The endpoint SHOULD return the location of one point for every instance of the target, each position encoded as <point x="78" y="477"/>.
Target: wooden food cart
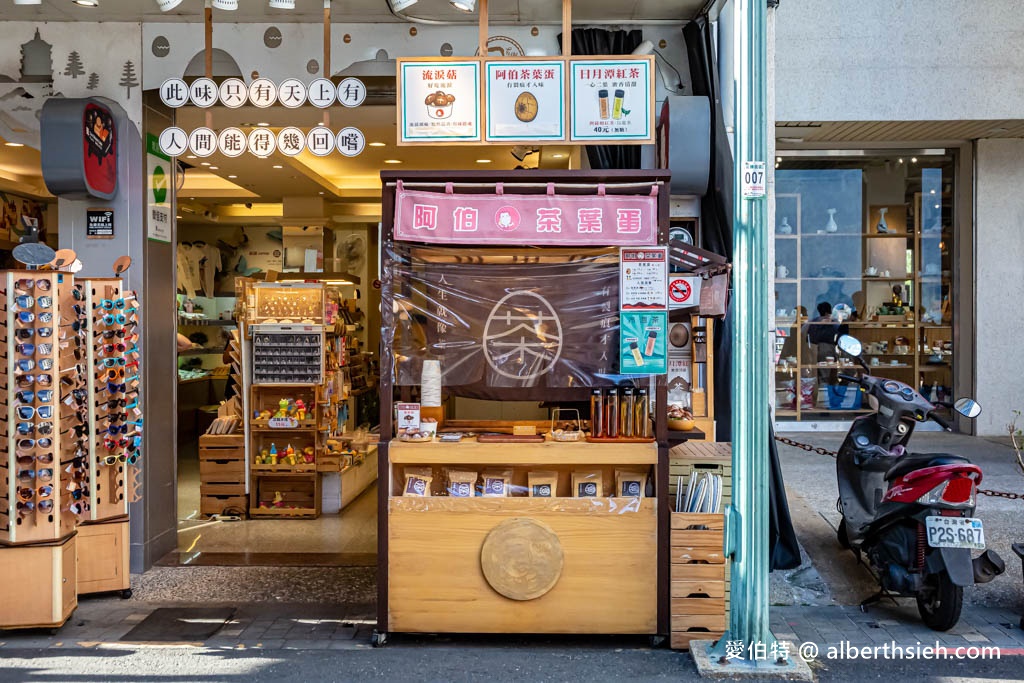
<point x="573" y="562"/>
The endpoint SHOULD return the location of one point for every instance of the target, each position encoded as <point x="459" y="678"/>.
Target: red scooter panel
<point x="913" y="485"/>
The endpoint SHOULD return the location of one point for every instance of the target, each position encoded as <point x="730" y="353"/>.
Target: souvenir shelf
<point x="445" y="542"/>
<point x="283" y="303"/>
<point x="285" y="442"/>
<point x="287" y="355"/>
<point x="914" y="346"/>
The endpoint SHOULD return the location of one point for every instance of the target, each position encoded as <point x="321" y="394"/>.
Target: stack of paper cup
<point x="430" y="384"/>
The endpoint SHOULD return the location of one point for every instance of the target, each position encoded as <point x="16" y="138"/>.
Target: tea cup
<point x="781" y="272"/>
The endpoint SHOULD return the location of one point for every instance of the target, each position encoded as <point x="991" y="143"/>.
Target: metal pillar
<point x="747" y="518"/>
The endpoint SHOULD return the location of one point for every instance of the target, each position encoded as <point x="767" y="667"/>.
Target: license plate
<point x="955" y="532"/>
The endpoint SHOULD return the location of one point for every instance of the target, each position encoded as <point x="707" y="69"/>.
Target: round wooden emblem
<point x="521" y="559"/>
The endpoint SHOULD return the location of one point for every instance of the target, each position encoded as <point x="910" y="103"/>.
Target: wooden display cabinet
<point x="608" y="545"/>
<point x="296" y="485"/>
<point x="103" y="558"/>
<point x="39" y="585"/>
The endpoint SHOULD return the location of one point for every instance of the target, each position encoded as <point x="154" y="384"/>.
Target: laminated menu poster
<point x="642" y="347"/>
<point x="644" y="278"/>
<point x="439" y="101"/>
<point x="549" y="330"/>
<point x="525" y="100"/>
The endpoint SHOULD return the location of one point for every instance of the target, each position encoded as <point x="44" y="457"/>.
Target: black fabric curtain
<point x="716" y="205"/>
<point x="599" y="41"/>
<point x="716" y="233"/>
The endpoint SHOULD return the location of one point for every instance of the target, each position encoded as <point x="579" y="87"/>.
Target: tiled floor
<point x="348" y="538"/>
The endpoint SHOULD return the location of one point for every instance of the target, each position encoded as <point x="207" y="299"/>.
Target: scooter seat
<point x="917" y="461"/>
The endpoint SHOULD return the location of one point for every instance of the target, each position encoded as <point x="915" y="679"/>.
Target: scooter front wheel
<point x="841" y="534"/>
<point x="940" y="602"/>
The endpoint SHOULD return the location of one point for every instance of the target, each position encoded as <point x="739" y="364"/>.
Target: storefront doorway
<point x="271" y="222"/>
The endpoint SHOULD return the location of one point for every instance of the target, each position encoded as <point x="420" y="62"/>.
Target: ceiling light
<point x="28" y="2"/>
<point x="483" y="161"/>
<point x="399" y="5"/>
<point x="263" y="124"/>
<point x="178" y="217"/>
<point x="13" y="144"/>
<point x="191" y="156"/>
<point x="377" y="144"/>
<point x="913" y="160"/>
<point x="464" y="5"/>
<point x="167" y="5"/>
<point x="900" y="160"/>
<point x="205" y="163"/>
<point x="392" y="161"/>
<point x="229" y="5"/>
<point x="278" y="166"/>
<point x="87" y="3"/>
<point x="282" y="4"/>
<point x="321" y="193"/>
<point x="214" y="168"/>
<point x="558" y="156"/>
<point x="232" y="176"/>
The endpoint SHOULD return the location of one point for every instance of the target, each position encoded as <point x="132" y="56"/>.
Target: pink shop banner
<point x="541" y="219"/>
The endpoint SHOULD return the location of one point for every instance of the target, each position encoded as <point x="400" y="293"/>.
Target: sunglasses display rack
<point x="111" y="376"/>
<point x="38" y="558"/>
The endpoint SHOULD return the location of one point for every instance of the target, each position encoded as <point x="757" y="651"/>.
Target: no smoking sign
<point x="683" y="292"/>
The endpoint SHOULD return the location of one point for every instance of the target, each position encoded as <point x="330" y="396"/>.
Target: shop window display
<point x="863" y="245"/>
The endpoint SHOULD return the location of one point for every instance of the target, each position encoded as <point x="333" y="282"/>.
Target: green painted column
<point x="747" y="518"/>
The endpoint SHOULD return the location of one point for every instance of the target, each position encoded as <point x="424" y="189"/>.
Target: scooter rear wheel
<point x="940" y="602"/>
<point x="841" y="534"/>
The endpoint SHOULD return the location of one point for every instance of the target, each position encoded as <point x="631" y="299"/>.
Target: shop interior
<point x="255" y="236"/>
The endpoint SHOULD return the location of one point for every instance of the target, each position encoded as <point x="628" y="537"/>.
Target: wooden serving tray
<point x="510" y="438"/>
<point x="631" y="439"/>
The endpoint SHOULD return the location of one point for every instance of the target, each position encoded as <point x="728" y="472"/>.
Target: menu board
<point x="525" y="100"/>
<point x="439" y="102"/>
<point x="611" y="100"/>
<point x="643" y="276"/>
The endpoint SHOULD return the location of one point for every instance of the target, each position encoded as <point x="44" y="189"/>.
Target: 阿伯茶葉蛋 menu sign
<point x="592" y="100"/>
<point x="439" y="101"/>
<point x="525" y="100"/>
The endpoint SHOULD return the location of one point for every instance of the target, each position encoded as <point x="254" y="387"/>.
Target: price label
<point x="753" y="179"/>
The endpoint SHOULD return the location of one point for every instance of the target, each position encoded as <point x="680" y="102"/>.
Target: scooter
<point x="910" y="514"/>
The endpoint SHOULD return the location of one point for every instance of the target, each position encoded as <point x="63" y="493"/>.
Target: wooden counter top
<point x="469" y="452"/>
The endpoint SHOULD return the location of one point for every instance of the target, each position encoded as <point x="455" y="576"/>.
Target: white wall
<point x="1000" y="282"/>
<point x="899" y="60"/>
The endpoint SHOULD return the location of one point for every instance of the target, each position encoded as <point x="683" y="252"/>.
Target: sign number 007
<point x="753" y="179"/>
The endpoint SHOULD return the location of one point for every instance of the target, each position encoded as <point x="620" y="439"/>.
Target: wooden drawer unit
<point x="222" y="474"/>
<point x="700" y="456"/>
<point x="698" y="572"/>
<point x="38" y="589"/>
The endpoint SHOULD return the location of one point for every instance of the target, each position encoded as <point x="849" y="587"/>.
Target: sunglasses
<point x="78" y="508"/>
<point x="80" y="430"/>
<point x="46" y="506"/>
<point x="110" y="304"/>
<point x="45" y="491"/>
<point x="25" y="285"/>
<point x="27" y="444"/>
<point x="26" y="317"/>
<point x="114" y="319"/>
<point x="24" y="301"/>
<point x="25" y="381"/>
<point x="119" y="347"/>
<point x="25" y="364"/>
<point x="24" y="333"/>
<point x="110" y="334"/>
<point x="114" y="459"/>
<point x="44" y="302"/>
<point x="26" y="493"/>
<point x="43" y="459"/>
<point x="111" y="362"/>
<point x="26" y="428"/>
<point x="77" y="292"/>
<point x="29" y="412"/>
<point x="25" y="508"/>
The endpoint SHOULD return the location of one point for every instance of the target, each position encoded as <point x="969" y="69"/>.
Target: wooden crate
<point x="221" y="504"/>
<point x="300" y="493"/>
<point x="706" y="456"/>
<point x="698" y="572"/>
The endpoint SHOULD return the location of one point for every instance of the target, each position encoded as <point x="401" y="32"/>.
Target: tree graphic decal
<point x="74" y="67"/>
<point x="128" y="79"/>
<point x="94" y="81"/>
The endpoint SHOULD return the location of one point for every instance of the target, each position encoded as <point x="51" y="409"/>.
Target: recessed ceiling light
<point x="87" y="3"/>
<point x="204" y="163"/>
<point x="13" y="144"/>
<point x="483" y="161"/>
<point x="214" y="168"/>
<point x="321" y="193"/>
<point x="232" y="176"/>
<point x="463" y="5"/>
<point x="191" y="156"/>
<point x="377" y="144"/>
<point x="392" y="161"/>
<point x="263" y="124"/>
<point x="913" y="160"/>
<point x="178" y="217"/>
<point x="278" y="166"/>
<point x="557" y="156"/>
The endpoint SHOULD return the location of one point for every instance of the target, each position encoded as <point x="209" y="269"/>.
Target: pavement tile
<point x="975" y="638"/>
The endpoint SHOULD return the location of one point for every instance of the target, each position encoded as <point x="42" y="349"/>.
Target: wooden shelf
<point x="469" y="452"/>
<point x="305" y="470"/>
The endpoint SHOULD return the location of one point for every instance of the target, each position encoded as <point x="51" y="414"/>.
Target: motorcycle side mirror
<point x="851" y="346"/>
<point x="967" y="407"/>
